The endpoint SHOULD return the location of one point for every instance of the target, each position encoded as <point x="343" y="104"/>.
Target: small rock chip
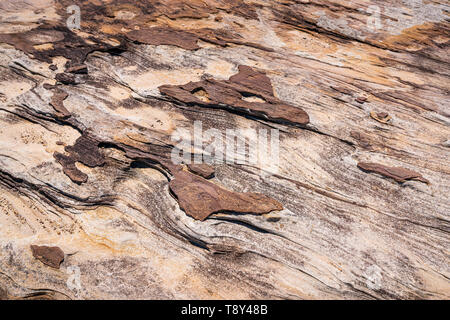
<point x="57" y="103"/>
<point x="50" y="256"/>
<point x="361" y="99"/>
<point x="66" y="78"/>
<point x="48" y="86"/>
<point x="397" y="173"/>
<point x="165" y="36"/>
<point x="272" y="217"/>
<point x="70" y="169"/>
<point x="78" y="69"/>
<point x="382" y="117"/>
<point x="3" y="294"/>
<point x="204" y="170"/>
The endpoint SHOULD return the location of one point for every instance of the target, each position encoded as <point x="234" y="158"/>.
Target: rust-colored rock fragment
<point x="249" y="92"/>
<point x="200" y="198"/>
<point x="63" y="43"/>
<point x="249" y="78"/>
<point x="66" y="78"/>
<point x="397" y="173"/>
<point x="204" y="170"/>
<point x="165" y="36"/>
<point x="86" y="151"/>
<point x="57" y="103"/>
<point x="187" y="39"/>
<point x="70" y="169"/>
<point x="49" y="86"/>
<point x="361" y="99"/>
<point x="82" y="68"/>
<point x="382" y="117"/>
<point x="50" y="256"/>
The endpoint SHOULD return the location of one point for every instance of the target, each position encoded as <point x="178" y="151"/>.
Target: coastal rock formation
<point x="352" y="95"/>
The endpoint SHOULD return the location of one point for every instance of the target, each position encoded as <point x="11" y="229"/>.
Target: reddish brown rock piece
<point x="70" y="169"/>
<point x="63" y="43"/>
<point x="361" y="99"/>
<point x="247" y="77"/>
<point x="249" y="92"/>
<point x="165" y="36"/>
<point x="397" y="173"/>
<point x="382" y="117"/>
<point x="200" y="198"/>
<point x="66" y="78"/>
<point x="57" y="103"/>
<point x="204" y="170"/>
<point x="50" y="256"/>
<point x="82" y="68"/>
<point x="86" y="151"/>
<point x="188" y="39"/>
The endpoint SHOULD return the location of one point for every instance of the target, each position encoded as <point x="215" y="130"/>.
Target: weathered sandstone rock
<point x="90" y="119"/>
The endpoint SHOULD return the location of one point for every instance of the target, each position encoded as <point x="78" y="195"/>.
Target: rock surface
<point x="359" y="91"/>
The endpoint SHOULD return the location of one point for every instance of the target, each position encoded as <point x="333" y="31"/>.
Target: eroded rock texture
<point x="92" y="205"/>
